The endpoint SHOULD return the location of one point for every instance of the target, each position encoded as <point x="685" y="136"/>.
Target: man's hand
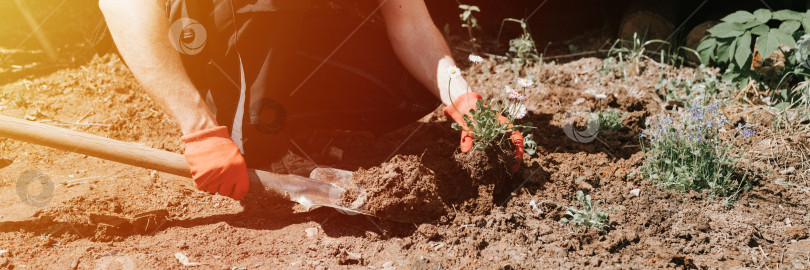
<point x="464" y="104"/>
<point x="216" y="164"/>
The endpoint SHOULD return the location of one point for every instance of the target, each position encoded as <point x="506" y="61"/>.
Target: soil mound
<point x="489" y="173"/>
<point x="402" y="189"/>
<point x="405" y="190"/>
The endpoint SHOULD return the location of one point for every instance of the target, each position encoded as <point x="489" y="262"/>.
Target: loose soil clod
<point x="402" y="189"/>
<point x="489" y="172"/>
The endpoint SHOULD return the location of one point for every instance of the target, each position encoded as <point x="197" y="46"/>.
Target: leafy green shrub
<point x="730" y="42"/>
<point x="610" y="119"/>
<point x="693" y="151"/>
<point x="585" y="212"/>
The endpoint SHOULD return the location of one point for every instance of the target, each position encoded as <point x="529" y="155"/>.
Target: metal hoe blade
<point x="325" y="190"/>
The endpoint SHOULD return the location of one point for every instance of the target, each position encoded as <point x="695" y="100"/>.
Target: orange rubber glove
<point x="467" y="102"/>
<point x="216" y="164"/>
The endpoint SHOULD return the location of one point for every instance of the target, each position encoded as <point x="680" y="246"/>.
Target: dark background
<point x="70" y="25"/>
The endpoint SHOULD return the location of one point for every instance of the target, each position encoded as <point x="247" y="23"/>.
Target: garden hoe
<point x="325" y="186"/>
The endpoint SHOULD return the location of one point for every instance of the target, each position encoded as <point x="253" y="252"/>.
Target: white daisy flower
<point x="475" y="58"/>
<point x="524" y="82"/>
<point x="514" y="95"/>
<point x="454" y="72"/>
<point x="517" y="110"/>
<point x="601" y="96"/>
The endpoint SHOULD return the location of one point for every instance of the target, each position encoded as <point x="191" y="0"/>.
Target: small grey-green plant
<point x="632" y="50"/>
<point x="585" y="212"/>
<point x="610" y="119"/>
<point x="20" y="100"/>
<point x="469" y="22"/>
<point x="693" y="151"/>
<point x="522" y="50"/>
<point x="702" y="87"/>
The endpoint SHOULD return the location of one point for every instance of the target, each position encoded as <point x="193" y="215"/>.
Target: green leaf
<point x="783" y="38"/>
<point x="730" y="76"/>
<point x="706" y="49"/>
<point x="468" y="7"/>
<point x="787" y="14"/>
<point x="760" y="30"/>
<point x="723" y="52"/>
<point x="739" y="17"/>
<point x="806" y="23"/>
<point x="789" y="27"/>
<point x="743" y="83"/>
<point x="763" y="15"/>
<point x="707" y="44"/>
<point x="743" y="51"/>
<point x="726" y="29"/>
<point x="730" y="53"/>
<point x="751" y="24"/>
<point x="767" y="44"/>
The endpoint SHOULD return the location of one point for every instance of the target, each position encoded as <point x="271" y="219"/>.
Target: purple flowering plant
<point x="695" y="149"/>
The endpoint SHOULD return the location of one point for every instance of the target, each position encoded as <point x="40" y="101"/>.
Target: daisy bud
<point x="475" y="58"/>
<point x="524" y="82"/>
<point x="517" y="111"/>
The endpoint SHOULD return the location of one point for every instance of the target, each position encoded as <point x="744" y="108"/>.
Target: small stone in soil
<point x="346" y="258"/>
<point x="5" y="162"/>
<point x="311" y="232"/>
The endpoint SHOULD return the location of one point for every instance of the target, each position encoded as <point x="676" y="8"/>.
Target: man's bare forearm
<point x="140" y="31"/>
<point x="421" y="47"/>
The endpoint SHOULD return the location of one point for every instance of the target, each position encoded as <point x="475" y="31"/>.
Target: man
<point x="245" y="78"/>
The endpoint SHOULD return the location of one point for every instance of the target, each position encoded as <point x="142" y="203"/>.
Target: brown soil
<point x="107" y="214"/>
<point x="108" y="211"/>
<point x="490" y="175"/>
<point x="401" y="189"/>
<point x="404" y="189"/>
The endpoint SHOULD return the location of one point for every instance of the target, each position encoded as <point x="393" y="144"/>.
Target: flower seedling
<point x="469" y="22"/>
<point x="484" y="123"/>
<point x="610" y="119"/>
<point x="585" y="212"/>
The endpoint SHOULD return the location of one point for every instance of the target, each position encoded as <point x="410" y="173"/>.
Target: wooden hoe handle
<point x="92" y="145"/>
